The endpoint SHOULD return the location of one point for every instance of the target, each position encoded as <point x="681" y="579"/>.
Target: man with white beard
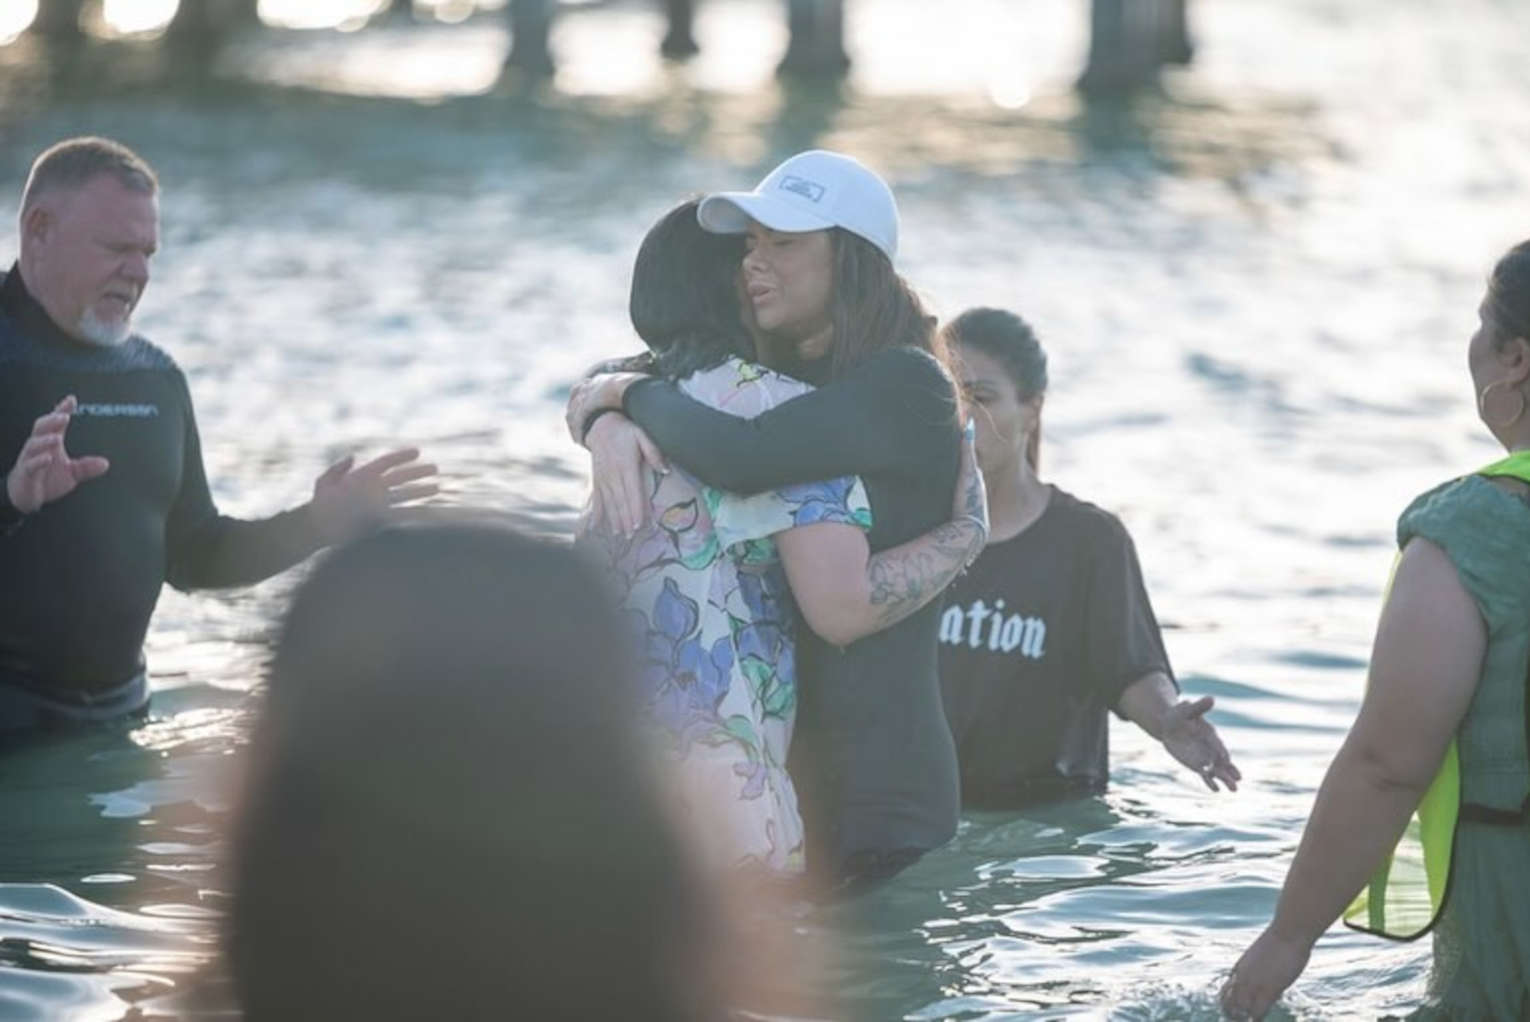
<point x="89" y="533"/>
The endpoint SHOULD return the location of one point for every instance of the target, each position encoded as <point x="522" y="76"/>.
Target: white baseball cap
<point x="812" y="191"/>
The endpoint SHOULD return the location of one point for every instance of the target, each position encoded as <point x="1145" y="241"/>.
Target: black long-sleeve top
<point x="80" y="577"/>
<point x="872" y="757"/>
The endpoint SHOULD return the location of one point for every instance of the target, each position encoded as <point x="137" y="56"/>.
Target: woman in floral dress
<point x="703" y="578"/>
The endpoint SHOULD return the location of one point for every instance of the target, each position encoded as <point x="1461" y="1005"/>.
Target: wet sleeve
<point x="1122" y="638"/>
<point x="1482" y="530"/>
<point x="888" y="415"/>
<point x="207" y="550"/>
<point x="739" y="519"/>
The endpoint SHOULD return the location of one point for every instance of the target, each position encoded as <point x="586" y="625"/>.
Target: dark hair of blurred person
<point x="448" y="812"/>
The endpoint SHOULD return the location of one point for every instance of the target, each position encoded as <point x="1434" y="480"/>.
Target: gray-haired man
<point x="90" y="532"/>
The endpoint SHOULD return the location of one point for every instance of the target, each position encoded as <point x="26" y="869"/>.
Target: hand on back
<point x="620" y="452"/>
<point x="590" y="395"/>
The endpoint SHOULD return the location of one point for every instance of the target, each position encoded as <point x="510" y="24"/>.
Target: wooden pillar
<point x="680" y="40"/>
<point x="1125" y="46"/>
<point x="817" y="47"/>
<point x="58" y="21"/>
<point x="203" y="26"/>
<point x="194" y="24"/>
<point x="530" y="27"/>
<point x="1175" y="43"/>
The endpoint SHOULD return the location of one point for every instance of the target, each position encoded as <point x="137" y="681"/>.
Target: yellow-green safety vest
<point x="1405" y="895"/>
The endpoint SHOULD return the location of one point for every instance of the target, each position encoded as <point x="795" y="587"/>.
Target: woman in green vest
<point x="1448" y="673"/>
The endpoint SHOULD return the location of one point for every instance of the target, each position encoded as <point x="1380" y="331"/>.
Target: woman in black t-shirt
<point x="1052" y="626"/>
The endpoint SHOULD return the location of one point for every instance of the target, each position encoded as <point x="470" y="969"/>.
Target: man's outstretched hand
<point x="348" y="500"/>
<point x="44" y="471"/>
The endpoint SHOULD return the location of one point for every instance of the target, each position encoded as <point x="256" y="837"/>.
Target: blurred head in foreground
<point x="448" y="812"/>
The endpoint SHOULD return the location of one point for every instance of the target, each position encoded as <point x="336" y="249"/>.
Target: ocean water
<point x="1255" y="290"/>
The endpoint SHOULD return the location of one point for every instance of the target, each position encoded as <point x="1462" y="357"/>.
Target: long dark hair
<point x="1009" y="341"/>
<point x="873" y="308"/>
<point x="684" y="301"/>
<point x="1508" y="296"/>
<point x="450" y="811"/>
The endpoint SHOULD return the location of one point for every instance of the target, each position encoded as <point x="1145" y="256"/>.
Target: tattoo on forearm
<point x="642" y="363"/>
<point x="974" y="500"/>
<point x="903" y="580"/>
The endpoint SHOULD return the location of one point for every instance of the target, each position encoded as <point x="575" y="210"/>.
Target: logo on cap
<point x="809" y="190"/>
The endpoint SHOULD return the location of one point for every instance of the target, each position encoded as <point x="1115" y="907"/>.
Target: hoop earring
<point x="1487" y="395"/>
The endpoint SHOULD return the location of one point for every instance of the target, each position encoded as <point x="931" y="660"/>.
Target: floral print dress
<point x="707" y="594"/>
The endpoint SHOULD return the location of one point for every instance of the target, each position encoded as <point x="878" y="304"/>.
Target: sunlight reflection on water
<point x="1255" y="291"/>
<point x="15" y="18"/>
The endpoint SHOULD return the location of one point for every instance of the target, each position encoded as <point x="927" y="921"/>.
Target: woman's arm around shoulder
<point x="888" y="413"/>
<point x="846" y="593"/>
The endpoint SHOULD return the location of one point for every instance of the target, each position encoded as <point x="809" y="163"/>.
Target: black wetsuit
<point x="872" y="756"/>
<point x="80" y="577"/>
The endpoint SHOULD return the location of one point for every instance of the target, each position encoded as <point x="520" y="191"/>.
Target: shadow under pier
<point x="1131" y="41"/>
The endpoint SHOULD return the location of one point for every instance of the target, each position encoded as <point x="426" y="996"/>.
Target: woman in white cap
<point x="873" y="758"/>
<point x="712" y="581"/>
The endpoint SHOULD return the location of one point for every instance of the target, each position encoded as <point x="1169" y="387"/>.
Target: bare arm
<point x="209" y="550"/>
<point x="1152" y="703"/>
<point x="890" y="414"/>
<point x="1424" y="671"/>
<point x="846" y="593"/>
